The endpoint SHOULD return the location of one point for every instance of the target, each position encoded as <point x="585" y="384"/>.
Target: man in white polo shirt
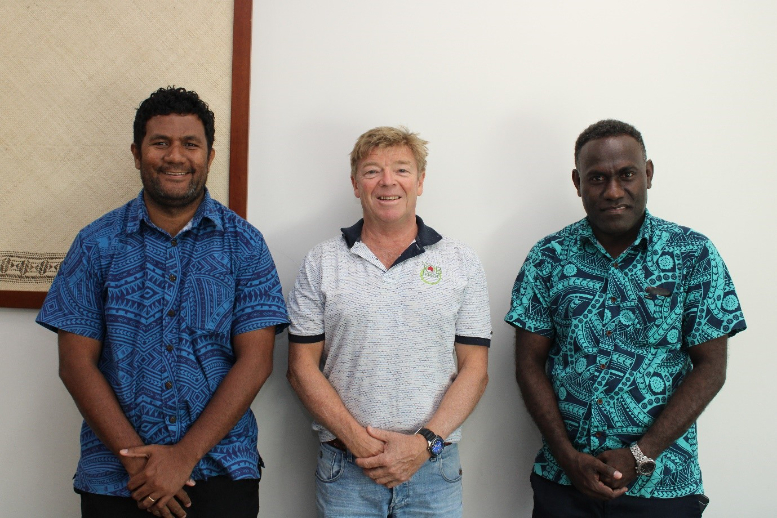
<point x="388" y="346"/>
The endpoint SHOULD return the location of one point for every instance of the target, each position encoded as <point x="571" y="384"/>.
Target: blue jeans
<point x="343" y="490"/>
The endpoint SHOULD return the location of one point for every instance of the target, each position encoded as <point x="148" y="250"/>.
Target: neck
<point x="388" y="242"/>
<point x="171" y="219"/>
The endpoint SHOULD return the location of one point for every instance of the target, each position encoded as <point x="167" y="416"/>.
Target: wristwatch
<point x="435" y="443"/>
<point x="645" y="465"/>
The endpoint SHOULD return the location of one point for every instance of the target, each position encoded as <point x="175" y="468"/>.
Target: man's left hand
<point x="165" y="473"/>
<point x="622" y="460"/>
<point x="402" y="456"/>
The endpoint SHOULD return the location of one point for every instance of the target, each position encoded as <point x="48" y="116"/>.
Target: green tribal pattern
<point x="621" y="332"/>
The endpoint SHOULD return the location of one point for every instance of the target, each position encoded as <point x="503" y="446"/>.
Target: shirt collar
<point x="643" y="237"/>
<point x="206" y="210"/>
<point x="426" y="235"/>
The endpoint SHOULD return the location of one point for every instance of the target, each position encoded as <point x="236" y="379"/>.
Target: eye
<point x="403" y="171"/>
<point x="370" y="173"/>
<point x="627" y="174"/>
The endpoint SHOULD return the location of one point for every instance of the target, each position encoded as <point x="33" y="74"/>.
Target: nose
<point x="613" y="189"/>
<point x="386" y="176"/>
<point x="174" y="153"/>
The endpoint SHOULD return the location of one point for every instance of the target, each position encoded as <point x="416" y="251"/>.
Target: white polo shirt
<point x="389" y="334"/>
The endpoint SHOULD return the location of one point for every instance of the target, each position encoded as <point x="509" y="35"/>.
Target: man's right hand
<point x="174" y="508"/>
<point x="588" y="473"/>
<point x="364" y="445"/>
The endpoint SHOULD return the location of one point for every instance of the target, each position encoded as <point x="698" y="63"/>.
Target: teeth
<point x="388" y="198"/>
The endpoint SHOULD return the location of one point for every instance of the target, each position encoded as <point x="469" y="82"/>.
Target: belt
<point x="337" y="443"/>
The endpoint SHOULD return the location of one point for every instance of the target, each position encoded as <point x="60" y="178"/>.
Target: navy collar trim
<point x="426" y="236"/>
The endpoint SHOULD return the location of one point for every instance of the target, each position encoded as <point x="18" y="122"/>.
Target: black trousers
<point x="217" y="497"/>
<point x="552" y="500"/>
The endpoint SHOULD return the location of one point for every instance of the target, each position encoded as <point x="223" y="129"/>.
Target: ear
<point x="355" y="186"/>
<point x="576" y="180"/>
<point x="136" y="155"/>
<point x="421" y="178"/>
<point x="211" y="157"/>
<point x="649" y="173"/>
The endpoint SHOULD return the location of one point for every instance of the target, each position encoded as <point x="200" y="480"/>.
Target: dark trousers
<point x="553" y="500"/>
<point x="217" y="497"/>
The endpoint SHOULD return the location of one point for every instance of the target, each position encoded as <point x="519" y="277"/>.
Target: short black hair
<point x="179" y="101"/>
<point x="608" y="128"/>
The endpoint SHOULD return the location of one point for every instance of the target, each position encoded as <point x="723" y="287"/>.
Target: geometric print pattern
<point x="165" y="309"/>
<point x="621" y="330"/>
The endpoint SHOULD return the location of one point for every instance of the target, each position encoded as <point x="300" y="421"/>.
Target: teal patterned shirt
<point x="621" y="331"/>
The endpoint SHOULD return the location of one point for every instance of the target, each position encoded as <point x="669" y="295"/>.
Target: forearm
<point x="94" y="396"/>
<point x="689" y="400"/>
<point x="463" y="394"/>
<point x="233" y="396"/>
<point x="323" y="402"/>
<point x="542" y="405"/>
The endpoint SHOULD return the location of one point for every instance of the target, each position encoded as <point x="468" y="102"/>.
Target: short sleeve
<point x="711" y="308"/>
<point x="258" y="295"/>
<point x="306" y="302"/>
<point x="473" y="322"/>
<point x="530" y="303"/>
<point x="74" y="302"/>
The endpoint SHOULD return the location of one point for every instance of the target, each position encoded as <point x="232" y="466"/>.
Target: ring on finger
<point x="152" y="500"/>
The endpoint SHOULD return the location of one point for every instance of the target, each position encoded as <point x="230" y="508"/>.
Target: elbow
<point x="483" y="382"/>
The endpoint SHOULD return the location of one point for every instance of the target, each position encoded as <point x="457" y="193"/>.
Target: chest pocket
<point x="663" y="308"/>
<point x="209" y="300"/>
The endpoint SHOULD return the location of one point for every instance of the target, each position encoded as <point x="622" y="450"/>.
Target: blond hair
<point x="386" y="136"/>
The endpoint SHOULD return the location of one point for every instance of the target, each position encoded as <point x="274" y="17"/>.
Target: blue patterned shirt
<point x="165" y="310"/>
<point x="621" y="331"/>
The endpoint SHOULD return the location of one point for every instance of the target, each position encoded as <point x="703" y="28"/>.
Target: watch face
<point x="647" y="467"/>
<point x="436" y="447"/>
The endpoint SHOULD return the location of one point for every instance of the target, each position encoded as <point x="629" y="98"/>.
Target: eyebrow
<point x="168" y="137"/>
<point x="397" y="162"/>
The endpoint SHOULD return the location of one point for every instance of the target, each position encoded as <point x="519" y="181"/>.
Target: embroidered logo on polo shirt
<point x="431" y="274"/>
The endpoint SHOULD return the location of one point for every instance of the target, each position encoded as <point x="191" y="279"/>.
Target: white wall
<point x="501" y="89"/>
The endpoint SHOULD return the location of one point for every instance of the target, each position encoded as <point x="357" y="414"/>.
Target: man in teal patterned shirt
<point x="621" y="326"/>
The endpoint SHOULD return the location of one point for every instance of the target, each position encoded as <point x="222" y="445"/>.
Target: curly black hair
<point x="608" y="128"/>
<point x="174" y="100"/>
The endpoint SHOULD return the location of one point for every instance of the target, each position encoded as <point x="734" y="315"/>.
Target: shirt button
<point x="168" y="385"/>
<point x="612" y="299"/>
<point x="171" y="313"/>
<point x="172" y="419"/>
<point x="599" y="401"/>
<point x="608" y="333"/>
<point x="602" y="366"/>
<point x="169" y="348"/>
<point x="614" y="265"/>
<point x="599" y="434"/>
<point x="172" y="278"/>
<point x="174" y="242"/>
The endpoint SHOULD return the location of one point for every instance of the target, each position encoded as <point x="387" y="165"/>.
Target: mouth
<point x="388" y="198"/>
<point x="175" y="173"/>
<point x="615" y="209"/>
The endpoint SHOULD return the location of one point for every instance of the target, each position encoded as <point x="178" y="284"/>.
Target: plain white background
<point x="501" y="89"/>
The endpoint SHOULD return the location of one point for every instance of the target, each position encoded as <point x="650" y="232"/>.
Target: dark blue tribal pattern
<point x="621" y="331"/>
<point x="165" y="310"/>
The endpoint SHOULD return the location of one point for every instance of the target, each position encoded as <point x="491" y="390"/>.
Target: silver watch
<point x="645" y="465"/>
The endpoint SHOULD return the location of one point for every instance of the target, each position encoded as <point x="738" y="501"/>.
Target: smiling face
<point x="387" y="182"/>
<point x="173" y="161"/>
<point x="612" y="178"/>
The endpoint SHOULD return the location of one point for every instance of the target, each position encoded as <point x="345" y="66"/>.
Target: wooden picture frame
<point x="238" y="156"/>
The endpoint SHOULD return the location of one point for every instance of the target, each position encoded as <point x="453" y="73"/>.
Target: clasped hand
<point x="158" y="481"/>
<point x="401" y="457"/>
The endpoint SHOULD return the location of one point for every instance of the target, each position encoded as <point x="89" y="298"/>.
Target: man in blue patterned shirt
<point x="621" y="325"/>
<point x="166" y="311"/>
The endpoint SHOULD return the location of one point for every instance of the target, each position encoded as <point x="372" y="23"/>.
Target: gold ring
<point x="152" y="500"/>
